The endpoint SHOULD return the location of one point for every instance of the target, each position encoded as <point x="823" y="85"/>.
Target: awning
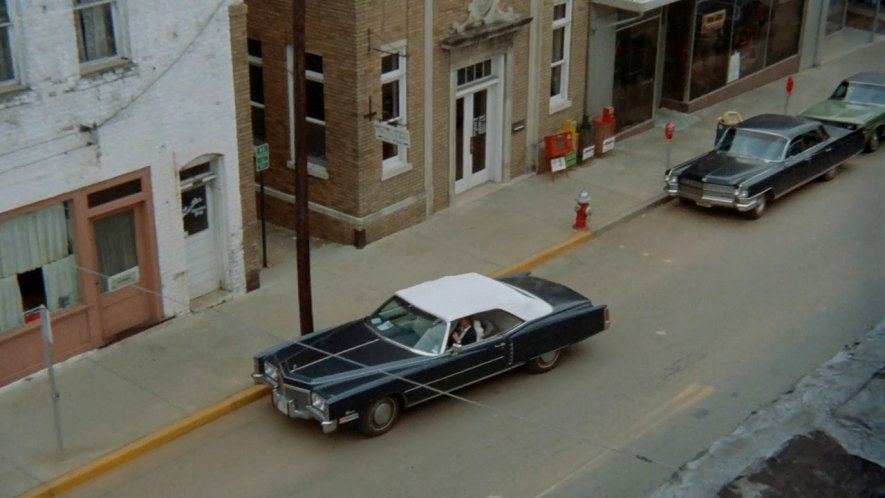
<point x="638" y="6"/>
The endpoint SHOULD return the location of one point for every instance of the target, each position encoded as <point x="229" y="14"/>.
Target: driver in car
<point x="464" y="332"/>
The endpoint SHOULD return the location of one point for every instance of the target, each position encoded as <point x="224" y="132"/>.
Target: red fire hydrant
<point x="582" y="211"/>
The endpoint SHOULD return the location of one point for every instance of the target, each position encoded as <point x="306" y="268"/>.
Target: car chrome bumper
<point x="707" y="200"/>
<point x="294" y="403"/>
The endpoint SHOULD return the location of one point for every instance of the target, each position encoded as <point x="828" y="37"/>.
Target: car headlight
<point x="271" y="371"/>
<point x="318" y="402"/>
<point x="672" y="181"/>
<point x="740" y="192"/>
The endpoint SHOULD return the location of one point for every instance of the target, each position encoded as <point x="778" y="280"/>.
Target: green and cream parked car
<point x="857" y="103"/>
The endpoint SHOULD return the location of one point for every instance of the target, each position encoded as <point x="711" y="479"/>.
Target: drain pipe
<point x="428" y="107"/>
<point x="532" y="113"/>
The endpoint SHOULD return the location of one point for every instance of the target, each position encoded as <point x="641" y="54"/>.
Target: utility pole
<point x="302" y="229"/>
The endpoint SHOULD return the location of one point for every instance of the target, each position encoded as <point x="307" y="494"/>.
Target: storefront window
<point x="117" y="251"/>
<point x="37" y="264"/>
<point x="750" y="38"/>
<point x="712" y="44"/>
<point x="678" y="53"/>
<point x="836" y="15"/>
<point x="636" y="52"/>
<point x="732" y="39"/>
<point x="786" y="26"/>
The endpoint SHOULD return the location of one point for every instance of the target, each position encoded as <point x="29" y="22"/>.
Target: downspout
<point x="533" y="85"/>
<point x="428" y="107"/>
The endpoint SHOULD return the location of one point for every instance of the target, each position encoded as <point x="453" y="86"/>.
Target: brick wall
<point x="249" y="213"/>
<point x="350" y="36"/>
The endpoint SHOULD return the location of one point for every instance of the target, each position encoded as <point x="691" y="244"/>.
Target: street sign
<point x="262" y="157"/>
<point x="669" y="130"/>
<point x="397" y="135"/>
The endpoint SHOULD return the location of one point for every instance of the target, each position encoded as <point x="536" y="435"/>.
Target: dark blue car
<point x="367" y="371"/>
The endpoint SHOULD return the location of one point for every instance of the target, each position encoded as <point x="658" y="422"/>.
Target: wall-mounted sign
<point x="262" y="157"/>
<point x="397" y="135"/>
<point x="713" y="21"/>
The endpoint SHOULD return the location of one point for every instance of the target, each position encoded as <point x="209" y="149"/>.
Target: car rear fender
<point x="559" y="330"/>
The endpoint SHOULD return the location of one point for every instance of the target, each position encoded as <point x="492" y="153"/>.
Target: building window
<point x="559" y="61"/>
<point x="256" y="92"/>
<point x="316" y="110"/>
<point x="7" y="54"/>
<point x="115" y="243"/>
<point x="393" y="100"/>
<point x="38" y="265"/>
<point x="98" y="24"/>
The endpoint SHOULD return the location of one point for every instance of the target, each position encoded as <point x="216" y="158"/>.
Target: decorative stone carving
<point x="483" y="13"/>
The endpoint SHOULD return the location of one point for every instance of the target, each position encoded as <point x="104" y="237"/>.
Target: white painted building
<point x="121" y="158"/>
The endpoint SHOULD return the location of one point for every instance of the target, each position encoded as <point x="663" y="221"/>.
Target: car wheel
<point x="379" y="416"/>
<point x="544" y="363"/>
<point x="830" y="174"/>
<point x="875" y="140"/>
<point x="759" y="210"/>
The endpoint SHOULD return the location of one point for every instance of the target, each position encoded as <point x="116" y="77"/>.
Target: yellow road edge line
<point x="678" y="410"/>
<point x="546" y="255"/>
<point x="658" y="411"/>
<point x="148" y="443"/>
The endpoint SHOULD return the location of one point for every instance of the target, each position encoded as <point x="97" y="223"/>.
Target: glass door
<point x="471" y="144"/>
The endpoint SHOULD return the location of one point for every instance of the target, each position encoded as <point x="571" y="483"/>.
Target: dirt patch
<point x="811" y="465"/>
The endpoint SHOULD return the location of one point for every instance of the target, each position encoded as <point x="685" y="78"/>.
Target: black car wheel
<point x="830" y="174"/>
<point x="544" y="363"/>
<point x="759" y="210"/>
<point x="875" y="140"/>
<point x="379" y="416"/>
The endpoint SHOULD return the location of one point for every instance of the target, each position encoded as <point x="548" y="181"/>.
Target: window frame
<point x="398" y="76"/>
<point x="560" y="100"/>
<point x="257" y="61"/>
<point x="314" y="168"/>
<point x="118" y="23"/>
<point x="12" y="34"/>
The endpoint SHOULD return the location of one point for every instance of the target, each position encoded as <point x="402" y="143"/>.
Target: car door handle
<point x="829" y="149"/>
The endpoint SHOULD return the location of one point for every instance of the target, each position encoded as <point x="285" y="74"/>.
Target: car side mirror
<point x="456" y="349"/>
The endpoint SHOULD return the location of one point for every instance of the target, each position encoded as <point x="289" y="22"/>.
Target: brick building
<point x="411" y="103"/>
<point x="126" y="177"/>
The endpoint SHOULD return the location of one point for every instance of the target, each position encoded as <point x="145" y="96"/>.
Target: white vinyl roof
<point x="457" y="296"/>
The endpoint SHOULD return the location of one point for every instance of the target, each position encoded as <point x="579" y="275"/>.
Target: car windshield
<point x="865" y="94"/>
<point x="400" y="322"/>
<point x="750" y="143"/>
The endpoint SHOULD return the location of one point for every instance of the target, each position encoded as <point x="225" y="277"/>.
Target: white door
<point x="478" y="117"/>
<point x="197" y="213"/>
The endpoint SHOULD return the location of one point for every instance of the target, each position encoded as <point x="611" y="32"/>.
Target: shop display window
<point x="729" y="39"/>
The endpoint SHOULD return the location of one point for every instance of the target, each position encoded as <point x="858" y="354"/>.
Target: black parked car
<point x="405" y="353"/>
<point x="761" y="159"/>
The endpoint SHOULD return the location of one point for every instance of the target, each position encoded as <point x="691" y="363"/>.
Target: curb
<point x="133" y="450"/>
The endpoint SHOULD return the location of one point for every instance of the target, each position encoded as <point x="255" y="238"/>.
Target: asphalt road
<point x="713" y="317"/>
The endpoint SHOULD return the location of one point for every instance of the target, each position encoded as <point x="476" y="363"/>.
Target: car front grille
<point x="700" y="189"/>
<point x="300" y="398"/>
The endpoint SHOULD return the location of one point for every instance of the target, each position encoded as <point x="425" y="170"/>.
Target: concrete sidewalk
<point x="161" y="383"/>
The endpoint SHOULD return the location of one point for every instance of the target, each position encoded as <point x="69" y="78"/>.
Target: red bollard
<point x="582" y="211"/>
